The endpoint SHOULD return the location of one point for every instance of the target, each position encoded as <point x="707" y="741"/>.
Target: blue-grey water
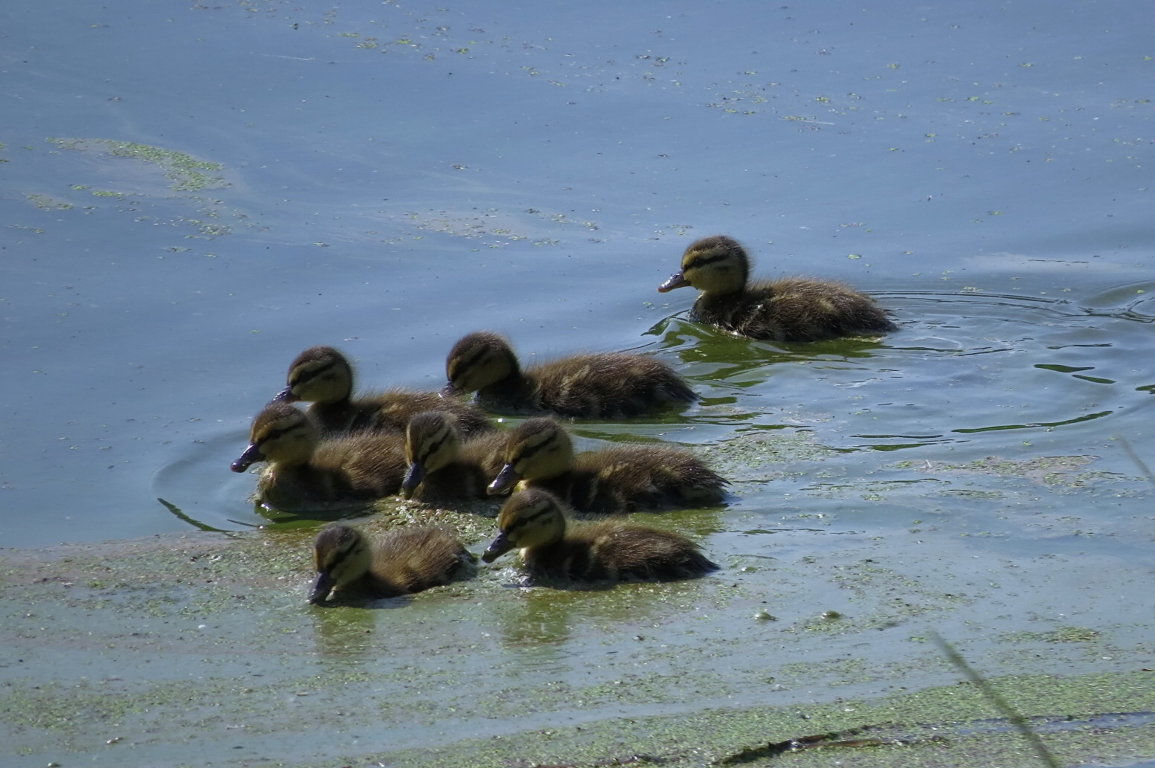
<point x="193" y="193"/>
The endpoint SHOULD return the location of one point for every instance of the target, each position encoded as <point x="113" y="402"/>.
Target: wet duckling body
<point x="306" y="471"/>
<point x="622" y="478"/>
<point x="610" y="550"/>
<point x="790" y="309"/>
<point x="323" y="377"/>
<point x="444" y="466"/>
<point x="608" y="385"/>
<point x="403" y="561"/>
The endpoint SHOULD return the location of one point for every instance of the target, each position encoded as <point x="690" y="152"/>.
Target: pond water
<point x="193" y="194"/>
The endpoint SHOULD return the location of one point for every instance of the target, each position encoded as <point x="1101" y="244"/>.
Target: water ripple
<point x="962" y="367"/>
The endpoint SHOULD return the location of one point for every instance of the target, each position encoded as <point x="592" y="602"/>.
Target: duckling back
<point x="603" y="385"/>
<point x="790" y="309"/>
<point x="794" y="309"/>
<point x="611" y="550"/>
<point x="323" y="377"/>
<point x="608" y="385"/>
<point x="654" y="476"/>
<point x="622" y="478"/>
<point x="362" y="466"/>
<point x="402" y="561"/>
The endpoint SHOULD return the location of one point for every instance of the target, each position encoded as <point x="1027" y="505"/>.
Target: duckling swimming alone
<point x="403" y="561"/>
<point x="442" y="466"/>
<point x="605" y="385"/>
<point x="790" y="309"/>
<point x="324" y="377"/>
<point x="621" y="478"/>
<point x="305" y="471"/>
<point x="610" y="550"/>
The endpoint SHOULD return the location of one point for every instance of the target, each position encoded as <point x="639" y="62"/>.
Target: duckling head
<point x="539" y="448"/>
<point x="479" y="360"/>
<point x="280" y="434"/>
<point x="318" y="375"/>
<point x="531" y="518"/>
<point x="341" y="555"/>
<point x="432" y="441"/>
<point x="717" y="264"/>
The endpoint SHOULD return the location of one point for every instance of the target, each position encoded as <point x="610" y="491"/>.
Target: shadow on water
<point x="179" y="514"/>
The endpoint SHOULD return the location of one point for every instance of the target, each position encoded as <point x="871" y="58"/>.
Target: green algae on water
<point x="184" y="172"/>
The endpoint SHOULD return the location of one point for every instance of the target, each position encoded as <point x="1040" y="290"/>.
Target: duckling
<point x="306" y="471"/>
<point x="442" y="466"/>
<point x="603" y="385"/>
<point x="790" y="309"/>
<point x="621" y="478"/>
<point x="610" y="550"/>
<point x="323" y="377"/>
<point x="403" y="561"/>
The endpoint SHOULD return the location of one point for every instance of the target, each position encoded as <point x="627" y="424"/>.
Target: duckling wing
<point x="616" y="551"/>
<point x="394" y="408"/>
<point x="649" y="554"/>
<point x="794" y="309"/>
<point x="413" y="559"/>
<point x="363" y="466"/>
<point x="609" y="385"/>
<point x="655" y="476"/>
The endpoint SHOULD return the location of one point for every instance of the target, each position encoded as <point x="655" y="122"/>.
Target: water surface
<point x="193" y="195"/>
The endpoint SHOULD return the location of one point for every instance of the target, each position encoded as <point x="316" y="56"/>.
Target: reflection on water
<point x="343" y="634"/>
<point x="1134" y="301"/>
<point x="538" y="621"/>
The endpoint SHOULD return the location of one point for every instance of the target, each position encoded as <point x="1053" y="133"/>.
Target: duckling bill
<point x="789" y="309"/>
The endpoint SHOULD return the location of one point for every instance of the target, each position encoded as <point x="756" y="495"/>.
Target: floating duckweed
<point x="47" y="203"/>
<point x="185" y="172"/>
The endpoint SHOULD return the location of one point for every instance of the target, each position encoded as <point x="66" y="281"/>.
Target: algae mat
<point x="199" y="650"/>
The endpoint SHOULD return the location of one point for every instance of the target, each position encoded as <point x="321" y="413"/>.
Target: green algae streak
<point x="201" y="650"/>
<point x="184" y="172"/>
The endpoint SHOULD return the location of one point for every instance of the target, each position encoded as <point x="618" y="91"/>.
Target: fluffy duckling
<point x="403" y="561"/>
<point x="790" y="309"/>
<point x="606" y="385"/>
<point x="443" y="466"/>
<point x="305" y="471"/>
<point x="610" y="550"/>
<point x="621" y="478"/>
<point x="323" y="377"/>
